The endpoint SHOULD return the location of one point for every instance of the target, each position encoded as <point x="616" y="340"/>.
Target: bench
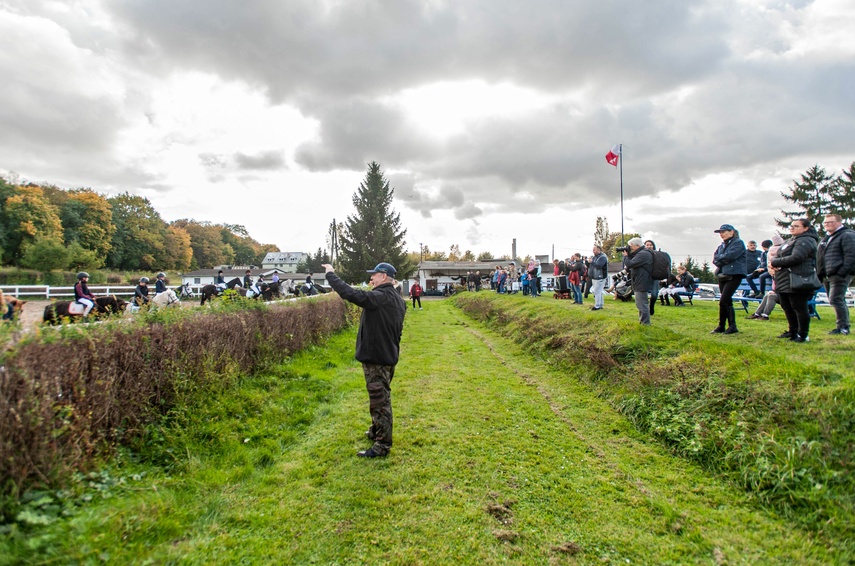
<point x="744" y="299"/>
<point x="686" y="296"/>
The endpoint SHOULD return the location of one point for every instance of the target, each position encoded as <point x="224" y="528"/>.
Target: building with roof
<point x="286" y="261"/>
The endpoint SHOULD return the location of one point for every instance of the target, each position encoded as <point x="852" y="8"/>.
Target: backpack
<point x="661" y="265"/>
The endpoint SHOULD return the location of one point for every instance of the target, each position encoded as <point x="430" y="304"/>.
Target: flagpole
<point x="620" y="159"/>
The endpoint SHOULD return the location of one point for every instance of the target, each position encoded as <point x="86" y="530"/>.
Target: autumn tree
<point x="140" y="232"/>
<point x="614" y="241"/>
<point x="177" y="252"/>
<point x="601" y="231"/>
<point x="28" y="216"/>
<point x="206" y="240"/>
<point x="87" y="219"/>
<point x="373" y="234"/>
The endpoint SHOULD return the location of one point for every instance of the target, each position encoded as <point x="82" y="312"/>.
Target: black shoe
<point x="718" y="330"/>
<point x="840" y="331"/>
<point x="370" y="453"/>
<point x="754" y="316"/>
<point x="731" y="330"/>
<point x="800" y="338"/>
<point x="788" y="335"/>
<point x="596" y="308"/>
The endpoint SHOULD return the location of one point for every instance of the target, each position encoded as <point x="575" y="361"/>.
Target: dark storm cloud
<point x="689" y="89"/>
<point x="371" y="48"/>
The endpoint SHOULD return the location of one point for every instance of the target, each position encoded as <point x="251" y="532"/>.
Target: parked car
<point x="707" y="291"/>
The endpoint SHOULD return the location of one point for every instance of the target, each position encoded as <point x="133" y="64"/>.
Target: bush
<point x="65" y="396"/>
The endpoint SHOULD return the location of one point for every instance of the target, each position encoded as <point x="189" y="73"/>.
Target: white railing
<point x="47" y="292"/>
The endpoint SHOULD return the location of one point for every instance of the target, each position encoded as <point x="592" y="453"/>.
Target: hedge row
<point x="66" y="395"/>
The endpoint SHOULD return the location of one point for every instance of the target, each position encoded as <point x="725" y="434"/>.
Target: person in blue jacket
<point x="730" y="262"/>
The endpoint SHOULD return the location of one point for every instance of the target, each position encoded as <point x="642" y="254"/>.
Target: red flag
<point x="613" y="155"/>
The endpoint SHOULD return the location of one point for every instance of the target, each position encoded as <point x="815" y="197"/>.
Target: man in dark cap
<point x="377" y="346"/>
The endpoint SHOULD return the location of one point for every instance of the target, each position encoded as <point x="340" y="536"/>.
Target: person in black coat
<point x="797" y="255"/>
<point x="835" y="265"/>
<point x="378" y="344"/>
<point x="639" y="261"/>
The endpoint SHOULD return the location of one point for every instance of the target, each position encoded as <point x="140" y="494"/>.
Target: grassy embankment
<point x="499" y="457"/>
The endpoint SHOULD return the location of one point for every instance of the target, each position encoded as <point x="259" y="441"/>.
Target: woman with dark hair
<point x="798" y="256"/>
<point x="729" y="259"/>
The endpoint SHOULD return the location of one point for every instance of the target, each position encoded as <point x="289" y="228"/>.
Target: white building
<point x="285" y="261"/>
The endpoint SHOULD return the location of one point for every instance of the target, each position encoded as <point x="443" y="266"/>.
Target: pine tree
<point x="844" y="195"/>
<point x="814" y="197"/>
<point x="373" y="234"/>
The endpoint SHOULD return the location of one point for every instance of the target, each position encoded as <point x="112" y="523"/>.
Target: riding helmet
<point x="161" y="274"/>
<point x="82" y="274"/>
<point x="143" y="279"/>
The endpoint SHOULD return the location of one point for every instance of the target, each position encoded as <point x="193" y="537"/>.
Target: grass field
<point x="504" y="453"/>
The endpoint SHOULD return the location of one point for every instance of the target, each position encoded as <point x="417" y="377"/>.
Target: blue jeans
<point x="577" y="292"/>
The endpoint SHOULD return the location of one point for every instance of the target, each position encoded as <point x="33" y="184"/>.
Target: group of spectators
<point x="795" y="268"/>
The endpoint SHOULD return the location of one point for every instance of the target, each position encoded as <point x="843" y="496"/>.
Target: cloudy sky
<point x="491" y="118"/>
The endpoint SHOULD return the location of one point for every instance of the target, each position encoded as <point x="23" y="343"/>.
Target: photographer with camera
<point x="639" y="261"/>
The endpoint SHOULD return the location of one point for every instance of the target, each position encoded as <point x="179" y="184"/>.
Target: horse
<point x="14" y="307"/>
<point x="272" y="291"/>
<point x="166" y="299"/>
<point x="71" y="310"/>
<point x="210" y="291"/>
<point x="184" y="291"/>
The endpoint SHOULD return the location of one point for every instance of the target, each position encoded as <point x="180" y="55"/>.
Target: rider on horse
<point x="82" y="294"/>
<point x="141" y="292"/>
<point x="221" y="281"/>
<point x="160" y="284"/>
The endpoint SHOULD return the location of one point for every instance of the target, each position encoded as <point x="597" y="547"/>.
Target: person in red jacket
<point x="416" y="293"/>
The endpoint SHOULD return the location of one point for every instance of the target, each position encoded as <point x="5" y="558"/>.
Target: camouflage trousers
<point x="378" y="381"/>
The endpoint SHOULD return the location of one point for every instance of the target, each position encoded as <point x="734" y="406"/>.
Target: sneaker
<point x="731" y="330"/>
<point x="596" y="308"/>
<point x="841" y="331"/>
<point x="764" y="317"/>
<point x="800" y="338"/>
<point x="754" y="316"/>
<point x="718" y="330"/>
<point x="370" y="453"/>
<point x="788" y="335"/>
<point x="421" y="309"/>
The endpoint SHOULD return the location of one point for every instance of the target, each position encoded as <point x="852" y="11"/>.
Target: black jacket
<point x="797" y="255"/>
<point x="379" y="338"/>
<point x="836" y="254"/>
<point x="641" y="265"/>
<point x="159" y="286"/>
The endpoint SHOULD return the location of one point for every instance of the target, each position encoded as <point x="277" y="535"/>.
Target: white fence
<point x="46" y="292"/>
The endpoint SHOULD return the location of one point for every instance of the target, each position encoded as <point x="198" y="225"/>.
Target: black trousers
<point x="795" y="306"/>
<point x="726" y="314"/>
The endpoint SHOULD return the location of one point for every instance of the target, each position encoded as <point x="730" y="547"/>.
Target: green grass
<point x="499" y="457"/>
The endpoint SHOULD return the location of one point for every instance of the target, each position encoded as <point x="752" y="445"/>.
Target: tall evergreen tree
<point x="813" y="197"/>
<point x="373" y="233"/>
<point x="844" y="195"/>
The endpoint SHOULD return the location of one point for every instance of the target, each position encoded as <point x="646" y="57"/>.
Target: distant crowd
<point x="792" y="268"/>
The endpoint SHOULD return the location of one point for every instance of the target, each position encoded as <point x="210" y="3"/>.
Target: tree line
<point x="46" y="228"/>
